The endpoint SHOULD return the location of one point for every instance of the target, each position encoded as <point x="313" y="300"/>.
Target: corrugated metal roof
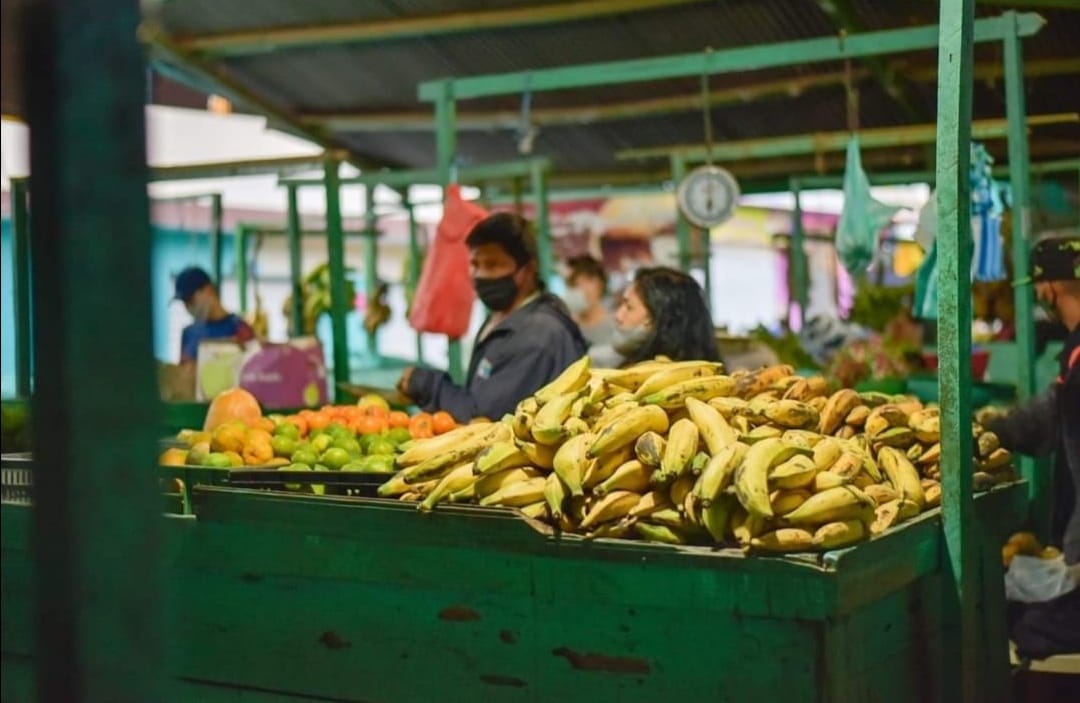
<point x="383" y="76"/>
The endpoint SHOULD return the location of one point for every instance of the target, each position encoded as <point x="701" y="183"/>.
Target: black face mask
<point x="497" y="294"/>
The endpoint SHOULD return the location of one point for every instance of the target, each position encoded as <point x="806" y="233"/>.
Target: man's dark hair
<point x="588" y="267"/>
<point x="510" y="231"/>
<point x="682" y="326"/>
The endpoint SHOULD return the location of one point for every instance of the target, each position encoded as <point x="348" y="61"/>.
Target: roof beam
<point x="820" y="142"/>
<point x="372" y="31"/>
<point x="481" y="121"/>
<point x="745" y="58"/>
<point x="250" y="167"/>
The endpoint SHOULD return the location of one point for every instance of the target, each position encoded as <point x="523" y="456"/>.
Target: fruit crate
<point x="490" y="607"/>
<point x="340" y="483"/>
<point x="16" y="478"/>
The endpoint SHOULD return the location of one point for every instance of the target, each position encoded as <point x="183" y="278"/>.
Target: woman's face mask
<point x="627" y="340"/>
<point x="200" y="306"/>
<point x="576" y="301"/>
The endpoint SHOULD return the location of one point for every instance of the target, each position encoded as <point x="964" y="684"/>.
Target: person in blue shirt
<point x="200" y="296"/>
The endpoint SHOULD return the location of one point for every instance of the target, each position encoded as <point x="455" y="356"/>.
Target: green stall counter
<point x="280" y="597"/>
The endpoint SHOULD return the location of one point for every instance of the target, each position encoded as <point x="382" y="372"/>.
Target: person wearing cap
<point x="1050" y="423"/>
<point x="200" y="296"/>
<point x="526" y="341"/>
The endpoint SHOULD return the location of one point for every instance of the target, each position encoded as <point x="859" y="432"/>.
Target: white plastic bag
<point x="1036" y="580"/>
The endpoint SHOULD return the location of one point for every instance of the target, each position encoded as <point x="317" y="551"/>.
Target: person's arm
<point x="1031" y="428"/>
<point x="244" y="332"/>
<point x="511" y="381"/>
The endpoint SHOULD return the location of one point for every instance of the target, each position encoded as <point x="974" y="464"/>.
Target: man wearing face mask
<point x="1050" y="423"/>
<point x="525" y="342"/>
<point x="200" y="296"/>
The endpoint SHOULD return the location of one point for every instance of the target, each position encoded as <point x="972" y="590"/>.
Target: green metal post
<point x="414" y="272"/>
<point x="517" y="194"/>
<point x="797" y="257"/>
<point x="371" y="260"/>
<point x="97" y="543"/>
<point x="1038" y="476"/>
<point x="955" y="54"/>
<point x="217" y="236"/>
<point x="445" y="148"/>
<point x="21" y="265"/>
<point x="339" y="305"/>
<point x="682" y="225"/>
<point x="243" y="234"/>
<point x="544" y="253"/>
<point x="296" y="261"/>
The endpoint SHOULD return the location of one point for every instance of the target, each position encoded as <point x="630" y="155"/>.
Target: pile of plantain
<point x="680" y="453"/>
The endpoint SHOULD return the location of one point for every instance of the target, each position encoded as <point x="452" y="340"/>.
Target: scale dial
<point x="708" y="196"/>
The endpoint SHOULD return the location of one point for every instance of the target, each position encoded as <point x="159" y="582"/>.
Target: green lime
<point x="379" y="464"/>
<point x="296" y="466"/>
<point x="305" y="456"/>
<point x="218" y="460"/>
<point x="399" y="436"/>
<point x="351" y="445"/>
<point x="367" y="440"/>
<point x="283" y="446"/>
<point x="287" y="429"/>
<point x="337" y="430"/>
<point x="382" y="446"/>
<point x="321" y="443"/>
<point x="335" y="458"/>
<point x="321" y="467"/>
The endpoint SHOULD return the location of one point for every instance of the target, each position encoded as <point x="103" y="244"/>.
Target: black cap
<point x="1054" y="259"/>
<point x="190" y="281"/>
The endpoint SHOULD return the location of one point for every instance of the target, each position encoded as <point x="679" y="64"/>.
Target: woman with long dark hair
<point x="663" y="313"/>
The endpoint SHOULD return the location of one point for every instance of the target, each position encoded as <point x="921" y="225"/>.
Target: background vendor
<point x="525" y="342"/>
<point x="200" y="296"/>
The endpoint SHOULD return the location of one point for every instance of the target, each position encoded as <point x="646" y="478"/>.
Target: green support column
<point x="243" y="234"/>
<point x="1037" y="474"/>
<point x="20" y="268"/>
<point x="445" y="148"/>
<point x="371" y="260"/>
<point x="217" y="236"/>
<point x="96" y="541"/>
<point x="544" y="253"/>
<point x="296" y="261"/>
<point x="414" y="272"/>
<point x="960" y="649"/>
<point x="518" y="195"/>
<point x="682" y="225"/>
<point x="797" y="255"/>
<point x="339" y="305"/>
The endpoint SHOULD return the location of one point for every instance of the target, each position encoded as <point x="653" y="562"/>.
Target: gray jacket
<point x="527" y="349"/>
<point x="1049" y="423"/>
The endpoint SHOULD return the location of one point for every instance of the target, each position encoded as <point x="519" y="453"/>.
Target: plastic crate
<point x="344" y="483"/>
<point x="16" y="478"/>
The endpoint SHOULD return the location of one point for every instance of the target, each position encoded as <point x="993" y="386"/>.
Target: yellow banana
<point x="698" y="463"/>
<point x="675" y="396"/>
<point x="650" y="503"/>
<point x="622" y="397"/>
<point x="601" y="468"/>
<point x="522" y="424"/>
<point x="840" y="503"/>
<point x="670" y="376"/>
<point x="612" y="506"/>
<point x="488" y="484"/>
<point x="611" y="530"/>
<point x="632" y="476"/>
<point x="802" y="438"/>
<point x="826" y="452"/>
<point x="424" y="449"/>
<point x="499" y="456"/>
<point x="762" y="432"/>
<point x="792" y="414"/>
<point x="927" y="428"/>
<point x="714" y="429"/>
<point x="517" y="494"/>
<point x="395" y="486"/>
<point x="836" y="410"/>
<point x="573" y="378"/>
<point x="839" y="534"/>
<point x="752" y="475"/>
<point x="465" y="495"/>
<point x="783" y="502"/>
<point x="825" y="480"/>
<point x="997" y="459"/>
<point x="536" y="511"/>
<point x="881" y="493"/>
<point x="458" y="479"/>
<point x="857" y="416"/>
<point x="798" y="471"/>
<point x="718" y="473"/>
<point x="539" y="454"/>
<point x="757" y="382"/>
<point x="555" y="494"/>
<point x="747" y="529"/>
<point x="549" y="424"/>
<point x="467" y="449"/>
<point x="612" y="415"/>
<point x="575" y="426"/>
<point x="628" y="428"/>
<point x="895" y="437"/>
<point x="785" y="539"/>
<point x="847" y="465"/>
<point x="716" y="517"/>
<point x="914" y="452"/>
<point x="689" y="508"/>
<point x="682" y="445"/>
<point x="728" y="407"/>
<point x="659" y="533"/>
<point x="633" y="376"/>
<point x="806" y="389"/>
<point x="903" y="476"/>
<point x="680" y="489"/>
<point x="933" y="495"/>
<point x="649" y="449"/>
<point x="670" y="517"/>
<point x="570" y="462"/>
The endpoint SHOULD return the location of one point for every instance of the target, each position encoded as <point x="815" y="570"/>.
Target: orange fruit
<point x="368" y="424"/>
<point x="318" y="421"/>
<point x="299" y="422"/>
<point x="442" y="422"/>
<point x="229" y="437"/>
<point x="398" y="419"/>
<point x="258" y="453"/>
<point x="173" y="457"/>
<point x="422" y="426"/>
<point x="374" y="411"/>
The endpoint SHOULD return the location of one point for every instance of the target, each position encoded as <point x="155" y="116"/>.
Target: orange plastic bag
<point x="445" y="296"/>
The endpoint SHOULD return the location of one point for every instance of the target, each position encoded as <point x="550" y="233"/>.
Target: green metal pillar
<point x="445" y="148"/>
<point x="797" y="254"/>
<point x="682" y="225"/>
<point x="516" y="184"/>
<point x="243" y="234"/>
<point x="1037" y="474"/>
<point x="335" y="250"/>
<point x="955" y="54"/>
<point x="414" y="272"/>
<point x="217" y="236"/>
<point x="544" y="253"/>
<point x="97" y="543"/>
<point x="296" y="261"/>
<point x="20" y="268"/>
<point x="371" y="260"/>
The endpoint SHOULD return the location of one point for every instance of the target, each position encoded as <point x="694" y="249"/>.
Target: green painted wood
<point x="371" y="262"/>
<point x="445" y="152"/>
<point x="335" y="252"/>
<point x="217" y="237"/>
<point x="414" y="270"/>
<point x="21" y="286"/>
<point x="243" y="235"/>
<point x="797" y="260"/>
<point x="546" y="263"/>
<point x="747" y="58"/>
<point x="955" y="56"/>
<point x="293" y="231"/>
<point x="96" y="534"/>
<point x="472" y="174"/>
<point x="682" y="225"/>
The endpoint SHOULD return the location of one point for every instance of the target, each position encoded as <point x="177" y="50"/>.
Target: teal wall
<point x="7" y="313"/>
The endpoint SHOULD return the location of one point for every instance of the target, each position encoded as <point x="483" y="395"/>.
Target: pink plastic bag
<point x="444" y="296"/>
